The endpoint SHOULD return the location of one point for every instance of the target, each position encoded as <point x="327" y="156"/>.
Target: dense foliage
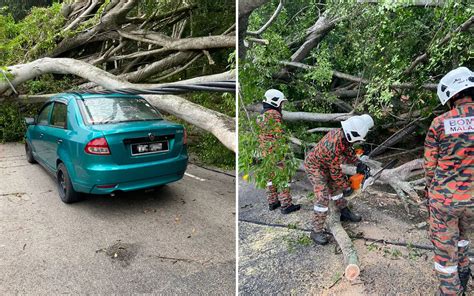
<point x="20" y="8"/>
<point x="376" y="42"/>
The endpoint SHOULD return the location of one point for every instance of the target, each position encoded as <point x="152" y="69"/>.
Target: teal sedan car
<point x="103" y="144"/>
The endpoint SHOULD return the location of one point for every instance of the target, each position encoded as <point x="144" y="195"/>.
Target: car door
<point x="37" y="134"/>
<point x="55" y="133"/>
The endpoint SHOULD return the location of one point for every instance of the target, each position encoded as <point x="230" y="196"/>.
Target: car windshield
<point x="115" y="110"/>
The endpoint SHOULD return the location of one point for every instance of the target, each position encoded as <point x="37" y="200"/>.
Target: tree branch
<point x="192" y="43"/>
<point x="424" y="57"/>
<point x="269" y="22"/>
<point x="349" y="77"/>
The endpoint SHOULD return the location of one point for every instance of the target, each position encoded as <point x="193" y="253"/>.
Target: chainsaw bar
<point x="371" y="180"/>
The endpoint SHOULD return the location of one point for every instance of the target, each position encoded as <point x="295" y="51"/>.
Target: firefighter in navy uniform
<point x="449" y="171"/>
<point x="270" y="123"/>
<point x="323" y="166"/>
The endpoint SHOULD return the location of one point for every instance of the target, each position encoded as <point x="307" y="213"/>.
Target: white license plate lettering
<point x="149" y="148"/>
<point x="156" y="147"/>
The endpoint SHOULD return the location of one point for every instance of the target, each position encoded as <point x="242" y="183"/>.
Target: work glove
<point x="362" y="168"/>
<point x="347" y="192"/>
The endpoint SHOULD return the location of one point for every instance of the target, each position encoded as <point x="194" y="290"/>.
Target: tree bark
<point x="315" y="33"/>
<point x="184" y="44"/>
<point x="306" y="116"/>
<point x="351" y="260"/>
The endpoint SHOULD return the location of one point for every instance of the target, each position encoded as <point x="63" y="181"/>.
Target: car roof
<point x="72" y="95"/>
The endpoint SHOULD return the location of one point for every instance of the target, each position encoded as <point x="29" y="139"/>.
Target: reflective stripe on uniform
<point x="463" y="243"/>
<point x="445" y="269"/>
<point x="320" y="209"/>
<point x="269" y="183"/>
<point x="336" y="197"/>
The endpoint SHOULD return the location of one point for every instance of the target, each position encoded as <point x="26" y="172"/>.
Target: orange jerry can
<point x="356" y="181"/>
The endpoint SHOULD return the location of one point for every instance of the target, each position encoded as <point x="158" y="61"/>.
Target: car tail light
<point x="185" y="137"/>
<point x="98" y="146"/>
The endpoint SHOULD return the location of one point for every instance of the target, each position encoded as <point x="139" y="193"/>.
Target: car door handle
<point x="41" y="135"/>
<point x="59" y="141"/>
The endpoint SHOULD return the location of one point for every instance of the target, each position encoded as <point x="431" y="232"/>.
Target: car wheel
<point x="29" y="154"/>
<point x="65" y="189"/>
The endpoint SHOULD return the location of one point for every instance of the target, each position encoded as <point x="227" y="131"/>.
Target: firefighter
<point x="323" y="166"/>
<point x="270" y="122"/>
<point x="449" y="170"/>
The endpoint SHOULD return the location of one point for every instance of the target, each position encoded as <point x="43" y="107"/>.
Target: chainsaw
<point x="360" y="182"/>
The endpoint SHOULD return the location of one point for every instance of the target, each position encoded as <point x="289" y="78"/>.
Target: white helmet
<point x="357" y="127"/>
<point x="274" y="97"/>
<point x="455" y="81"/>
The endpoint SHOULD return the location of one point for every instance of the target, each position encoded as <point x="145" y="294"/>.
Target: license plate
<point x="149" y="148"/>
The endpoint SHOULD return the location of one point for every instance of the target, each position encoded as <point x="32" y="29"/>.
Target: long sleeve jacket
<point x="270" y="123"/>
<point x="449" y="155"/>
<point x="328" y="155"/>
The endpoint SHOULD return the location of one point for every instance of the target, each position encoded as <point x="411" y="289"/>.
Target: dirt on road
<point x="284" y="260"/>
<point x="179" y="239"/>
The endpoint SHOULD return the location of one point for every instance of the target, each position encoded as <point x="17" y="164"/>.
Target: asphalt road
<point x="177" y="240"/>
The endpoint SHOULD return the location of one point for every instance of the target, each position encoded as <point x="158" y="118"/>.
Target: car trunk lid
<point x="142" y="141"/>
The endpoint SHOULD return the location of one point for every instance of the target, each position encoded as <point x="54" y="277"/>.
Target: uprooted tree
<point x="109" y="44"/>
<point x="337" y="59"/>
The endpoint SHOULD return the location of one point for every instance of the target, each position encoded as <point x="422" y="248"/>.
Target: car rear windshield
<point x="115" y="110"/>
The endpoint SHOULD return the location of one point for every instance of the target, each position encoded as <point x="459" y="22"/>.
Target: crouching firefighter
<point x="270" y="122"/>
<point x="323" y="166"/>
<point x="449" y="170"/>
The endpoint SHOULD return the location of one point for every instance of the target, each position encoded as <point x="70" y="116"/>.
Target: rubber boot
<point x="289" y="209"/>
<point x="347" y="215"/>
<point x="274" y="205"/>
<point x="319" y="238"/>
<point x="464" y="278"/>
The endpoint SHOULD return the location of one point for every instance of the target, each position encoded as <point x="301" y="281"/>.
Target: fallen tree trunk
<point x="220" y="125"/>
<point x="316" y="117"/>
<point x="351" y="260"/>
<point x="306" y="116"/>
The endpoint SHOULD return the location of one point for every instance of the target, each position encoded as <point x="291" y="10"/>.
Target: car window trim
<point x="49" y="114"/>
<point x="62" y="102"/>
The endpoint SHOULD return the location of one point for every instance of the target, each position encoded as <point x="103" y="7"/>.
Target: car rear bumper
<point x="130" y="177"/>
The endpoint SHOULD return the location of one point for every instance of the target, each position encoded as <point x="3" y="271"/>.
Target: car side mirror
<point x="30" y="121"/>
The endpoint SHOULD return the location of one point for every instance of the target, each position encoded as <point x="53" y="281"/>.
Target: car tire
<point x="65" y="189"/>
<point x="29" y="154"/>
